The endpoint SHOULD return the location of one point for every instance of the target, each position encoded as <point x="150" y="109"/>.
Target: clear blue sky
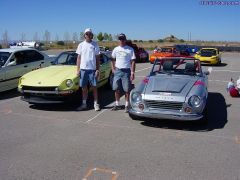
<point x="138" y="19"/>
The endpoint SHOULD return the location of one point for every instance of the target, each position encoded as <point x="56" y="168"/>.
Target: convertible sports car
<point x="172" y="91"/>
<point x="58" y="83"/>
<point x="209" y="56"/>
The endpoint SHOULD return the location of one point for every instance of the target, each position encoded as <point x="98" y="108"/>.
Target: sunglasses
<point x="88" y="34"/>
<point x="121" y="39"/>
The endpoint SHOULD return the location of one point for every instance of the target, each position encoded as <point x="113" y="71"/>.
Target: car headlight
<point x="69" y="83"/>
<point x="194" y="101"/>
<point x="136" y="97"/>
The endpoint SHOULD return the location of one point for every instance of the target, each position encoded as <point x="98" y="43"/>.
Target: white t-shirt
<point x="88" y="52"/>
<point x="123" y="56"/>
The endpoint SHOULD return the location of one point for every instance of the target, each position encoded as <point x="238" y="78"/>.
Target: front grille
<point x="164" y="104"/>
<point x="34" y="88"/>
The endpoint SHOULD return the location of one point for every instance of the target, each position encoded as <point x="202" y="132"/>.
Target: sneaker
<point x="96" y="107"/>
<point x="126" y="110"/>
<point x="82" y="107"/>
<point x="115" y="108"/>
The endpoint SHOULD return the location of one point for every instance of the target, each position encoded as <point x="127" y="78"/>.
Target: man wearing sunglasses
<point x="88" y="68"/>
<point x="123" y="68"/>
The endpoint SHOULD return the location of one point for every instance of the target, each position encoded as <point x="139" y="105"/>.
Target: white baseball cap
<point x="88" y="30"/>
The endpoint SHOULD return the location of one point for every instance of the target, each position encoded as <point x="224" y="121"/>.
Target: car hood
<point x="49" y="76"/>
<point x="179" y="86"/>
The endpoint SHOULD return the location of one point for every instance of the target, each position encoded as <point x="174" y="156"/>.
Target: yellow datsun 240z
<point x="59" y="83"/>
<point x="209" y="56"/>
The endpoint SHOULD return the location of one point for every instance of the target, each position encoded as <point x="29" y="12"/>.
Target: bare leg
<point x="85" y="93"/>
<point x="95" y="93"/>
<point x="127" y="96"/>
<point x="117" y="95"/>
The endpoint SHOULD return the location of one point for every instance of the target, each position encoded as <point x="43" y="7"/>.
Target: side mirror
<point x="197" y="53"/>
<point x="13" y="63"/>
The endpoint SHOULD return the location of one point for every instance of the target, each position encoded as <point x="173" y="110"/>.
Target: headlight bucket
<point x="194" y="101"/>
<point x="136" y="97"/>
<point x="69" y="83"/>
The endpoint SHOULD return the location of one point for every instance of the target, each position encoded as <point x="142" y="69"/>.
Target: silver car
<point x="176" y="88"/>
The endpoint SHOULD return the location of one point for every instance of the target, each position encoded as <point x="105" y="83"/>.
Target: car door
<point x="34" y="60"/>
<point x="15" y="68"/>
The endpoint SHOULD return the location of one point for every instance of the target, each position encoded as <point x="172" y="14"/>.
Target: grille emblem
<point x="39" y="82"/>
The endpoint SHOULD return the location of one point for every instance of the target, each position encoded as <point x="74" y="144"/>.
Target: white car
<point x="15" y="62"/>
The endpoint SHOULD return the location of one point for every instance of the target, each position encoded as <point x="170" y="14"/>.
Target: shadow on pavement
<point x="9" y="94"/>
<point x="218" y="65"/>
<point x="216" y="115"/>
<point x="106" y="97"/>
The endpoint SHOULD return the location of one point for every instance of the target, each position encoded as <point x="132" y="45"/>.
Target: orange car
<point x="167" y="51"/>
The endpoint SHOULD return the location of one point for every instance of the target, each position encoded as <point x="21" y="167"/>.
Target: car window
<point x="20" y="57"/>
<point x="32" y="56"/>
<point x="62" y="58"/>
<point x="72" y="59"/>
<point x="4" y="57"/>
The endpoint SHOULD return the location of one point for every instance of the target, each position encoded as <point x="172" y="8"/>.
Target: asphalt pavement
<point x="56" y="142"/>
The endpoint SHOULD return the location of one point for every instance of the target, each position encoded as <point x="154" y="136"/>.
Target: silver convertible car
<point x="176" y="88"/>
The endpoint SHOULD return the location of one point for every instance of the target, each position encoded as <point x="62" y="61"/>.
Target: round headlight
<point x="69" y="83"/>
<point x="136" y="97"/>
<point x="195" y="101"/>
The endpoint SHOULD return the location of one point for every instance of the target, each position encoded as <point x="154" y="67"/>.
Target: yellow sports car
<point x="209" y="56"/>
<point x="59" y="83"/>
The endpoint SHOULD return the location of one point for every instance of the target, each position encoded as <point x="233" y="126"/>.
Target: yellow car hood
<point x="49" y="76"/>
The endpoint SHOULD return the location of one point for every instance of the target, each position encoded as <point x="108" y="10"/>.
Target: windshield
<point x="208" y="52"/>
<point x="177" y="66"/>
<point x="4" y="57"/>
<point x="67" y="59"/>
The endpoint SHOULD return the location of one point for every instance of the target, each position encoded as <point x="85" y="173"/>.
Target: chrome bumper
<point x="167" y="115"/>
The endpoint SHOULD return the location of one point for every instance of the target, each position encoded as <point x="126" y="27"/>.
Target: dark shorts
<point x="87" y="76"/>
<point x="122" y="78"/>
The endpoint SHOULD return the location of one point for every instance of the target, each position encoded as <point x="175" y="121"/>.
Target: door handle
<point x="25" y="66"/>
<point x="42" y="62"/>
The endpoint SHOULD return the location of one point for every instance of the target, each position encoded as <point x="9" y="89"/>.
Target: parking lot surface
<point x="57" y="142"/>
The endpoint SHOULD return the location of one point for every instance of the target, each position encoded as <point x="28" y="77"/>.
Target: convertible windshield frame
<point x="177" y="66"/>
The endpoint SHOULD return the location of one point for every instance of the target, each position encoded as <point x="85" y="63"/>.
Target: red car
<point x="140" y="53"/>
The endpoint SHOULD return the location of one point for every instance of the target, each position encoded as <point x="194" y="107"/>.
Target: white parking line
<point x="225" y="70"/>
<point x="143" y="69"/>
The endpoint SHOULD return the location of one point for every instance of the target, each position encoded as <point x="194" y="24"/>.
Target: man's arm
<point x="78" y="63"/>
<point x="113" y="61"/>
<point x="133" y="67"/>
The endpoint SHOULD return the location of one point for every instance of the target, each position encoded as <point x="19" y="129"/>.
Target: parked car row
<point x="176" y="87"/>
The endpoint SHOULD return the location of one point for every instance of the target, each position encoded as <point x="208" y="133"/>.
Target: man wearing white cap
<point x="88" y="68"/>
